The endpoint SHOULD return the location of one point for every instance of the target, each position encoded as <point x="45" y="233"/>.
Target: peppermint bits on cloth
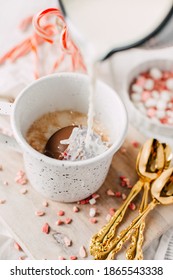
<point x="152" y="94"/>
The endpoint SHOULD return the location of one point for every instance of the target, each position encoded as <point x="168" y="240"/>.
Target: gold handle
<point x="134" y="251"/>
<point x="100" y="241"/>
<point x="125" y="234"/>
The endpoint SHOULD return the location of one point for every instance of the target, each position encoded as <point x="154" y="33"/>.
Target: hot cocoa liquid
<point x="44" y="127"/>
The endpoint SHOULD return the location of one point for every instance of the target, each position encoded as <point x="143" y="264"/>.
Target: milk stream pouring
<point x="106" y="26"/>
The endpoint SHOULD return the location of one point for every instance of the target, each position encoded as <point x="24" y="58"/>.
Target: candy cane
<point x="58" y="62"/>
<point x="46" y="31"/>
<point x="37" y="25"/>
<point x="67" y="45"/>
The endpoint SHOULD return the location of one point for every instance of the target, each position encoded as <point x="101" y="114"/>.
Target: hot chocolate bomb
<point x="54" y="148"/>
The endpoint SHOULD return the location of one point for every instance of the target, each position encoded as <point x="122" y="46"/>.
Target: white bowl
<point x="143" y="123"/>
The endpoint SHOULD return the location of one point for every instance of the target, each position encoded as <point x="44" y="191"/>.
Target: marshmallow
<point x="149" y="84"/>
<point x="161" y="105"/>
<point x="136" y="88"/>
<point x="155" y="73"/>
<point x="155" y="94"/>
<point x="169" y="84"/>
<point x="151" y="102"/>
<point x="165" y="95"/>
<point x="160" y="114"/>
<point x="135" y="97"/>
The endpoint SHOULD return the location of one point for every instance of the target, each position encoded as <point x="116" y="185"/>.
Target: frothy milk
<point x="44" y="127"/>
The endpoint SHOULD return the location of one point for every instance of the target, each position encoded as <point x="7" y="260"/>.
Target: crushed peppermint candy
<point x="92" y="201"/>
<point x="76" y="209"/>
<point x="124" y="196"/>
<point x="123" y="150"/>
<point x="152" y="94"/>
<point x="59" y="222"/>
<point x="78" y="149"/>
<point x="61" y="213"/>
<point x="110" y="192"/>
<point x="46" y="228"/>
<point x="112" y="211"/>
<point x="39" y="213"/>
<point x="82" y="252"/>
<point x="45" y="204"/>
<point x="95" y="195"/>
<point x="21" y="178"/>
<point x="124" y="181"/>
<point x="85" y="201"/>
<point x="118" y="194"/>
<point x="108" y="217"/>
<point x="61" y="258"/>
<point x="67" y="241"/>
<point x="68" y="221"/>
<point x="93" y="220"/>
<point x="21" y="258"/>
<point x="132" y="206"/>
<point x="92" y="212"/>
<point x="73" y="257"/>
<point x="135" y="144"/>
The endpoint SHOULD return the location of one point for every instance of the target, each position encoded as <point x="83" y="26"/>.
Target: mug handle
<point x="6" y="109"/>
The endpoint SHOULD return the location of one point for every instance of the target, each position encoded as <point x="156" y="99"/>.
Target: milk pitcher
<point x="111" y="26"/>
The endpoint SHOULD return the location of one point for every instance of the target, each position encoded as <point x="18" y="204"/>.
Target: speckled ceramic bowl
<point x="66" y="181"/>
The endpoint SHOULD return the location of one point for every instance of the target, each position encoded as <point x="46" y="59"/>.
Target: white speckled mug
<point x="58" y="180"/>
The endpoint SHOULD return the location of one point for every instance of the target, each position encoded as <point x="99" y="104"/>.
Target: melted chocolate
<point x="54" y="148"/>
